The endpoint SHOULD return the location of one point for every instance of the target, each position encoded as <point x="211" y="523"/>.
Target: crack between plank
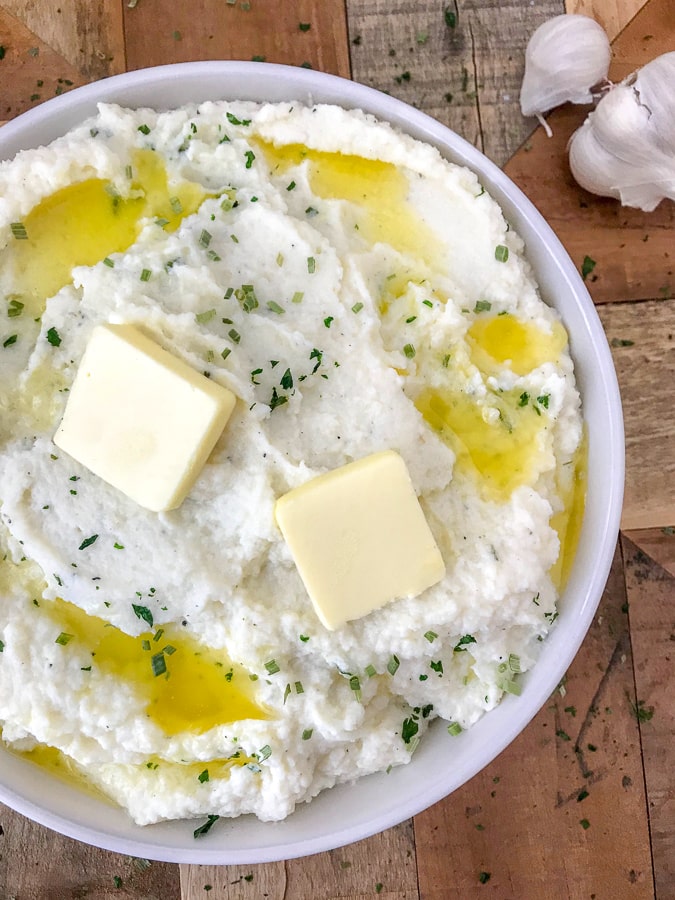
<point x="639" y="725"/>
<point x="474" y="65"/>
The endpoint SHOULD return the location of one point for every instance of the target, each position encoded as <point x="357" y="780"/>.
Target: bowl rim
<point x="85" y="818"/>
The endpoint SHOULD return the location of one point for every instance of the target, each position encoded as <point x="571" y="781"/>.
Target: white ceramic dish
<point x="350" y="812"/>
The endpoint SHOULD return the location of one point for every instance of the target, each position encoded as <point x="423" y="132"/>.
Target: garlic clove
<point x="565" y="58"/>
<point x="600" y="172"/>
<point x="655" y="86"/>
<point x="626" y="146"/>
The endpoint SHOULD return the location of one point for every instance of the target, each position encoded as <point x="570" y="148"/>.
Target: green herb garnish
<point x="142" y="612"/>
<point x="501" y="253"/>
<point x="206" y="827"/>
<point x="87" y="542"/>
<point x="53" y="337"/>
<point x="19" y="232"/>
<point x="64" y="638"/>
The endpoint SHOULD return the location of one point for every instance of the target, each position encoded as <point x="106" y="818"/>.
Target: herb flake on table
<point x="587" y="267"/>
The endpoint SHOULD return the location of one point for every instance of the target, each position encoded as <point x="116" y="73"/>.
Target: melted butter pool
<point x="379" y="189"/>
<point x="199" y="689"/>
<point x="506" y="340"/>
<point x="85" y="222"/>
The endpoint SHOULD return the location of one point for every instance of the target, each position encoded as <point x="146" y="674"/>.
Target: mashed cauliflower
<point x="357" y="293"/>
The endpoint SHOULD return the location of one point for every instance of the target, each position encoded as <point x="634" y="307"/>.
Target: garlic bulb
<point x="626" y="147"/>
<point x="565" y="58"/>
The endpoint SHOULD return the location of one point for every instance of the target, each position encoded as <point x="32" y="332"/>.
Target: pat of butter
<point x="140" y="418"/>
<point x="359" y="538"/>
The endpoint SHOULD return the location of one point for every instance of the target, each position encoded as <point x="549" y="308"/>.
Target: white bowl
<point x="353" y="811"/>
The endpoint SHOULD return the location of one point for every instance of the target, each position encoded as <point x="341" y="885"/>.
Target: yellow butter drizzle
<point x="507" y="340"/>
<point x="87" y="221"/>
<point x="200" y="690"/>
<point x="379" y="189"/>
<point x="567" y="523"/>
<point x="63" y="767"/>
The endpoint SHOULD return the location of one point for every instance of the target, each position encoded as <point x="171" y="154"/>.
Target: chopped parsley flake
<point x="203" y="776"/>
<point x="304" y="638"/>
<point x="304" y="26"/>
<point x="311" y="211"/>
<point x="142" y="612"/>
<point x="250" y="156"/>
<point x="484" y="877"/>
<point x="587" y="267"/>
<point x="543" y="400"/>
<point x="287" y="380"/>
<point x="328" y="321"/>
<point x="206" y="827"/>
<point x="409" y="730"/>
<point x="12" y="339"/>
<point x="307" y="733"/>
<point x="87" y="542"/>
<point x="233" y="120"/>
<point x="14" y="308"/>
<point x="53" y="337"/>
<point x="144" y="129"/>
<point x="437" y="666"/>
<point x="277" y="399"/>
<point x="460" y="646"/>
<point x="524" y="399"/>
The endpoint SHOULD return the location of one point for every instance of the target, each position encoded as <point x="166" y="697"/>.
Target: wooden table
<point x="582" y="805"/>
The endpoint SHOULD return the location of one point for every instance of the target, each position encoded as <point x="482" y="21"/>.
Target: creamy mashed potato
<point x="357" y="293"/>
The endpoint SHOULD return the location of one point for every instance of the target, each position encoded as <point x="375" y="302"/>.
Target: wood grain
<point x="161" y="31"/>
<point x="30" y="71"/>
<point x="633" y="251"/>
<point x="382" y="866"/>
<point x="87" y="36"/>
<point x="613" y="15"/>
<point x="658" y="544"/>
<point x="650" y="592"/>
<point x="521" y="821"/>
<point x="642" y="338"/>
<point x="38" y="864"/>
<point x="466" y="74"/>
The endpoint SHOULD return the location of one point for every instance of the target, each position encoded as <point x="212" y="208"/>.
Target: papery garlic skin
<point x="626" y="148"/>
<point x="565" y="58"/>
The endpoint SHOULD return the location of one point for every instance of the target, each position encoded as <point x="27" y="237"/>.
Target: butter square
<point x="140" y="418"/>
<point x="359" y="538"/>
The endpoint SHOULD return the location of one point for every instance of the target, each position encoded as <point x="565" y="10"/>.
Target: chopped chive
<point x="272" y="667"/>
<point x="265" y="752"/>
<point x="410" y="319"/>
<point x="145" y="275"/>
<point x="12" y="339"/>
<point x="501" y="253"/>
<point x="355" y="685"/>
<point x="274" y="307"/>
<point x="205" y="238"/>
<point x="158" y="664"/>
<point x="144" y="129"/>
<point x="357" y="307"/>
<point x="297" y="297"/>
<point x="311" y="265"/>
<point x="225" y="352"/>
<point x="213" y="255"/>
<point x="304" y="26"/>
<point x="290" y="186"/>
<point x="236" y="337"/>
<point x="514" y="663"/>
<point x="307" y="733"/>
<point x="370" y="670"/>
<point x="454" y="728"/>
<point x="482" y="306"/>
<point x="428" y="303"/>
<point x="304" y="638"/>
<point x="311" y="211"/>
<point x="176" y="205"/>
<point x="206" y="316"/>
<point x="409" y="350"/>
<point x="19" y="232"/>
<point x="430" y="636"/>
<point x="299" y="689"/>
<point x="64" y="638"/>
<point x="393" y="664"/>
<point x="14" y="308"/>
<point x="109" y="262"/>
<point x="280" y="259"/>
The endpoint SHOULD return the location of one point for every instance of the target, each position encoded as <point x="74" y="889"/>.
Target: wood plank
<point x="30" y="71"/>
<point x="658" y="544"/>
<point x="89" y="37"/>
<point x="613" y="15"/>
<point x="521" y="821"/>
<point x="157" y="34"/>
<point x="383" y="866"/>
<point x="650" y="592"/>
<point x="642" y="337"/>
<point x="36" y="863"/>
<point x="466" y="74"/>
<point x="633" y="250"/>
